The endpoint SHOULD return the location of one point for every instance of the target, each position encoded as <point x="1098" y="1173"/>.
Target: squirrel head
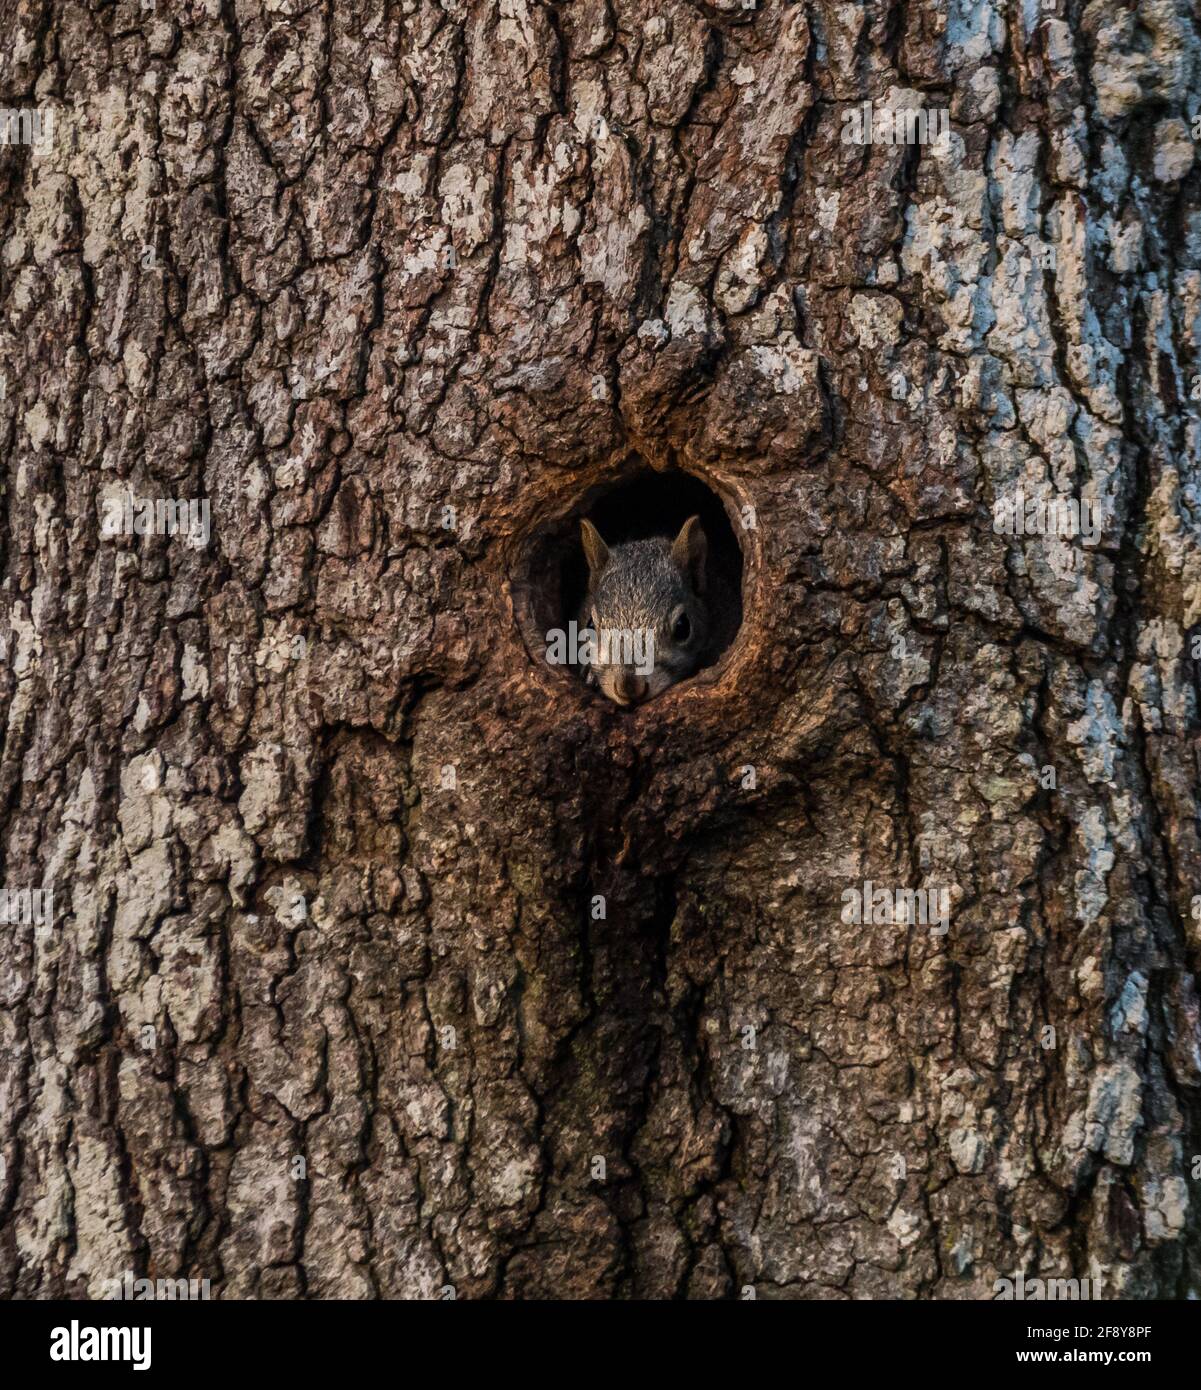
<point x="645" y="605"/>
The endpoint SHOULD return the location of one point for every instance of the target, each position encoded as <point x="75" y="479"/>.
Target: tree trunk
<point x="381" y="958"/>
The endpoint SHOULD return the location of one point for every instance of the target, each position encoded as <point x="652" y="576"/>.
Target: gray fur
<point x="641" y="586"/>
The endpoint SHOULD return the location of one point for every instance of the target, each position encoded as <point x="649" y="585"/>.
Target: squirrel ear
<point x="688" y="553"/>
<point x="596" y="551"/>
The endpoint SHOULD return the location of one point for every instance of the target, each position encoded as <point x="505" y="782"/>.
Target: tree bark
<point x="386" y="960"/>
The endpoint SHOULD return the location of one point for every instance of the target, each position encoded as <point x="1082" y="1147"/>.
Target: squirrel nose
<point x="631" y="687"/>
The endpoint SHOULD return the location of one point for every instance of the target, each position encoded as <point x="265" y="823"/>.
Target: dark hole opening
<point x="646" y="504"/>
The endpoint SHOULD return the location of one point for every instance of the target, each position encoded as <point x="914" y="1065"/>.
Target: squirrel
<point x="645" y="603"/>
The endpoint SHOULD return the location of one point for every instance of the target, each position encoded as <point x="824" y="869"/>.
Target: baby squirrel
<point x="650" y="589"/>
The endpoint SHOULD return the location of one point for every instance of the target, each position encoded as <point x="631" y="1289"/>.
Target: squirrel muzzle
<point x="630" y="688"/>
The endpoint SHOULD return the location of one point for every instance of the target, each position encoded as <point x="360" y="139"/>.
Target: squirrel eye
<point x="681" y="629"/>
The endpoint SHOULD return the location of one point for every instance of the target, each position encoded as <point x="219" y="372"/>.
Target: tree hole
<point x="640" y="506"/>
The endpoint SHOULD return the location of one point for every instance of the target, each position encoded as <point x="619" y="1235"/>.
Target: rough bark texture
<point x="337" y="267"/>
